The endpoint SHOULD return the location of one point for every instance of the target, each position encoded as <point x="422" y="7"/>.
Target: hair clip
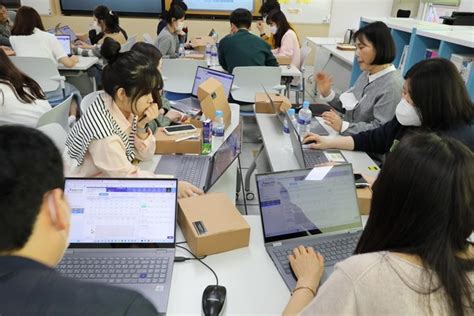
<point x="111" y="12"/>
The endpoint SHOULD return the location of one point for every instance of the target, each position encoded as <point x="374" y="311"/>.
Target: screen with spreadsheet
<point x="290" y="204"/>
<point x="204" y="73"/>
<point x="122" y="210"/>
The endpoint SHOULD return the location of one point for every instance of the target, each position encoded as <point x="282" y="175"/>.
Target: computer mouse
<point x="213" y="299"/>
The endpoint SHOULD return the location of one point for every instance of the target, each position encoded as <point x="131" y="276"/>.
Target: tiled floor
<point x="250" y="147"/>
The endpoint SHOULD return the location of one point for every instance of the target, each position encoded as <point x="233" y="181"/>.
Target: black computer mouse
<point x="213" y="299"/>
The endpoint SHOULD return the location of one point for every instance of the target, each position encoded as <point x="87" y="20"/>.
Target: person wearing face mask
<point x="167" y="41"/>
<point x="371" y="101"/>
<point x="113" y="133"/>
<point x="242" y="48"/>
<point x="434" y="99"/>
<point x="285" y="40"/>
<point x="34" y="236"/>
<point x="183" y="35"/>
<point x="267" y="7"/>
<point x="105" y="23"/>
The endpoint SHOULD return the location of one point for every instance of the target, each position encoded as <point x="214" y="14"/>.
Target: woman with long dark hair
<point x="106" y="24"/>
<point x="168" y="41"/>
<point x="285" y="41"/>
<point x="21" y="99"/>
<point x="414" y="257"/>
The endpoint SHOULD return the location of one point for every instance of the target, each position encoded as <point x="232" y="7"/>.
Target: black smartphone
<point x="360" y="182"/>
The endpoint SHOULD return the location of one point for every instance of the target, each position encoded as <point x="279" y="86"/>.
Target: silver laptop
<point x="192" y="105"/>
<point x="65" y="41"/>
<point x="203" y="171"/>
<point x="322" y="214"/>
<point x="123" y="233"/>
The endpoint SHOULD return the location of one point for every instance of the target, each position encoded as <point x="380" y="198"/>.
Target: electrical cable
<point x="198" y="259"/>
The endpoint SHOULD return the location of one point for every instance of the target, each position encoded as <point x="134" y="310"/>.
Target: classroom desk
<point x="228" y="181"/>
<point x="272" y="135"/>
<point x="79" y="70"/>
<point x="253" y="284"/>
<point x="83" y="64"/>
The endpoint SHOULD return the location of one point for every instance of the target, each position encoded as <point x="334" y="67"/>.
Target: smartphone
<point x="179" y="129"/>
<point x="360" y="182"/>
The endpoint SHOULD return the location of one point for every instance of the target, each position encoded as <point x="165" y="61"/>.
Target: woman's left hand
<point x="332" y="119"/>
<point x="186" y="189"/>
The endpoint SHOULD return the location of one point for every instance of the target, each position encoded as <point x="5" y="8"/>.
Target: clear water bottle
<point x="292" y="116"/>
<point x="181" y="52"/>
<point x="208" y="54"/>
<point x="214" y="59"/>
<point x="304" y="120"/>
<point x="218" y="129"/>
<point x="286" y="134"/>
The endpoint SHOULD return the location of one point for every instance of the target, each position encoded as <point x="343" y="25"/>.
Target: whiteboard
<point x="306" y="11"/>
<point x="346" y="14"/>
<point x="42" y="6"/>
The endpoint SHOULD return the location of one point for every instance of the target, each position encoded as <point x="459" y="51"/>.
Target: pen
<point x="186" y="138"/>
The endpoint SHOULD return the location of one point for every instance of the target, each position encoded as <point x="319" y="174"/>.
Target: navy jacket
<point x="31" y="288"/>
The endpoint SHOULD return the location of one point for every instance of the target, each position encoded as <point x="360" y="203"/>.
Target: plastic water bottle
<point x="214" y="59"/>
<point x="292" y="116"/>
<point x="181" y="52"/>
<point x="208" y="54"/>
<point x="304" y="120"/>
<point x="206" y="137"/>
<point x="218" y="129"/>
<point x="286" y="133"/>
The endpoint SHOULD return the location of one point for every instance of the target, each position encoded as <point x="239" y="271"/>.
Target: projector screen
<point x="123" y="7"/>
<point x="219" y="5"/>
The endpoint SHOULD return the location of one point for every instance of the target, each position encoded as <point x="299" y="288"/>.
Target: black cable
<point x="239" y="174"/>
<point x="200" y="260"/>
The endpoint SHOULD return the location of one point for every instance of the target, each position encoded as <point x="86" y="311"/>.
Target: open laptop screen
<point x="226" y="154"/>
<point x="292" y="206"/>
<point x="124" y="211"/>
<point x="65" y="41"/>
<point x="202" y="74"/>
<point x="66" y="30"/>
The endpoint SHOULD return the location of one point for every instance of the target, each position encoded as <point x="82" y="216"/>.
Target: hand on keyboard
<point x="314" y="141"/>
<point x="308" y="266"/>
<point x="186" y="189"/>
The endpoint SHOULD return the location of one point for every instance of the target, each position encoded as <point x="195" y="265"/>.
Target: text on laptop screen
<point x="121" y="210"/>
<point x="202" y="74"/>
<point x="65" y="41"/>
<point x="228" y="151"/>
<point x="290" y="204"/>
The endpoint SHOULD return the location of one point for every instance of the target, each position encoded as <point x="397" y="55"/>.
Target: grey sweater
<point x="377" y="102"/>
<point x="167" y="43"/>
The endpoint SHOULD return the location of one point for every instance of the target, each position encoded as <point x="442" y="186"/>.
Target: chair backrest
<point x="147" y="38"/>
<point x="304" y="53"/>
<point x="128" y="45"/>
<point x="12" y="15"/>
<point x="249" y="80"/>
<point x="56" y="133"/>
<point x="59" y="114"/>
<point x="88" y="100"/>
<point x="42" y="70"/>
<point x="178" y="74"/>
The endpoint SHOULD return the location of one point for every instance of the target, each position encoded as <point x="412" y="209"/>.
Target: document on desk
<point x="318" y="173"/>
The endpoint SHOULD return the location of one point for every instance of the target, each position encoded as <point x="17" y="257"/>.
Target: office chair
<point x="89" y="99"/>
<point x="178" y="74"/>
<point x="250" y="80"/>
<point x="56" y="133"/>
<point x="58" y="115"/>
<point x="128" y="45"/>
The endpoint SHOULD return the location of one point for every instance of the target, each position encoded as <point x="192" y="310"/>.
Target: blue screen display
<point x="128" y="7"/>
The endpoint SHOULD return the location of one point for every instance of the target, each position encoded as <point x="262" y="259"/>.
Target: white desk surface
<point x="318" y="41"/>
<point x="286" y="70"/>
<point x="254" y="286"/>
<point x="227" y="183"/>
<point x="464" y="38"/>
<point x="272" y="135"/>
<point x="83" y="64"/>
<point x="345" y="55"/>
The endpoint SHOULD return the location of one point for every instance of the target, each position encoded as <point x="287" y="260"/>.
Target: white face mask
<point x="95" y="26"/>
<point x="273" y="29"/>
<point x="406" y="114"/>
<point x="180" y="26"/>
<point x="264" y="19"/>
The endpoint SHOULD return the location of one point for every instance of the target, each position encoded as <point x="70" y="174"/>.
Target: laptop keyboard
<point x="333" y="251"/>
<point x="191" y="169"/>
<point x="116" y="270"/>
<point x="314" y="157"/>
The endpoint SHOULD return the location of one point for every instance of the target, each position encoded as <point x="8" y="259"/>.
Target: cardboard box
<point x="199" y="43"/>
<point x="364" y="198"/>
<point x="166" y="144"/>
<point x="283" y="60"/>
<point x="195" y="56"/>
<point x="211" y="224"/>
<point x="263" y="105"/>
<point x="212" y="96"/>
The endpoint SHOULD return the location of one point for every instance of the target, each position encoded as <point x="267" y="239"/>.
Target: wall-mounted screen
<point x="218" y="8"/>
<point x="123" y="7"/>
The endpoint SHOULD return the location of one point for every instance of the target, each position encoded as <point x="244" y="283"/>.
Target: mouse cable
<point x="200" y="260"/>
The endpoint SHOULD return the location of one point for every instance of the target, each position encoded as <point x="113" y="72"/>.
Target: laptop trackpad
<point x="168" y="165"/>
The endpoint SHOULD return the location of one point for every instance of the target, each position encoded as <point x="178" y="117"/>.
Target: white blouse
<point x="38" y="44"/>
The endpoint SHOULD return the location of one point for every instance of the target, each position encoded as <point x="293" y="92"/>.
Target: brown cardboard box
<point x="212" y="96"/>
<point x="283" y="60"/>
<point x="166" y="144"/>
<point x="262" y="103"/>
<point x="195" y="56"/>
<point x="199" y="43"/>
<point x="211" y="224"/>
<point x="364" y="198"/>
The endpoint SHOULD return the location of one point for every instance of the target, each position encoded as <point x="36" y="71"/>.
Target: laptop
<point x="192" y="105"/>
<point x="322" y="214"/>
<point x="123" y="233"/>
<point x="64" y="30"/>
<point x="65" y="41"/>
<point x="203" y="171"/>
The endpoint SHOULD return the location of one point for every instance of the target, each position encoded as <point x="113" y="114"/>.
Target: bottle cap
<point x="291" y="111"/>
<point x="219" y="114"/>
<point x="306" y="104"/>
